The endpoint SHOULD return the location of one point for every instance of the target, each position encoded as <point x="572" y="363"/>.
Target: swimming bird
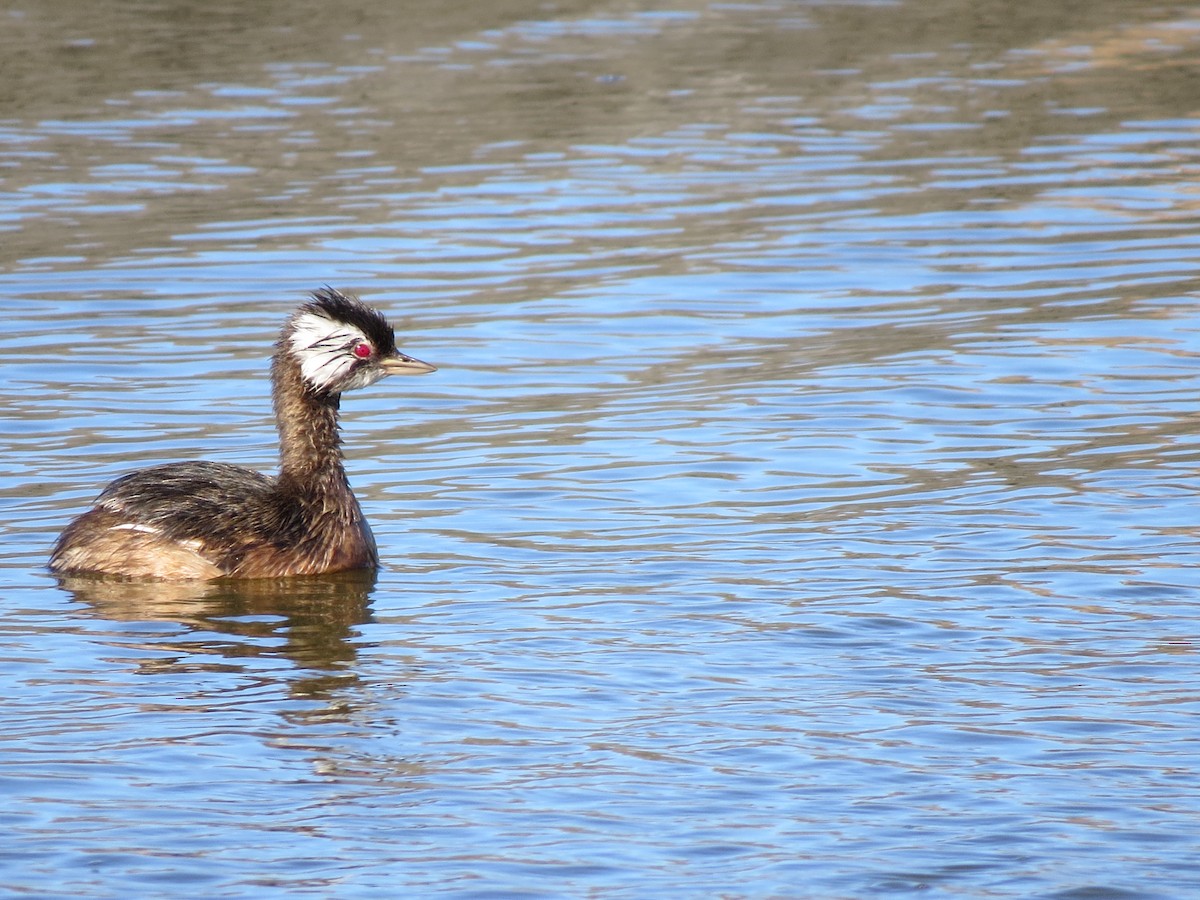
<point x="205" y="520"/>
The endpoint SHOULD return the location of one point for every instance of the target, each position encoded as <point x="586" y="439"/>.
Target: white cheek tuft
<point x="325" y="350"/>
<point x="135" y="526"/>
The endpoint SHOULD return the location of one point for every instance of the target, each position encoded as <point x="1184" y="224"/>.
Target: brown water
<point x="805" y="504"/>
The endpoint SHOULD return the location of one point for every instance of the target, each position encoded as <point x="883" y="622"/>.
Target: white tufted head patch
<point x="325" y="350"/>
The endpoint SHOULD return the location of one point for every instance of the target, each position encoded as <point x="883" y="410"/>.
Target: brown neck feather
<point x="310" y="446"/>
<point x="311" y="475"/>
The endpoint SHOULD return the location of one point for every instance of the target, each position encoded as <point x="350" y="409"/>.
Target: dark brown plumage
<point x="204" y="520"/>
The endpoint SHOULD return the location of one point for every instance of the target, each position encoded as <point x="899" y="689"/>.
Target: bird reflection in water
<point x="307" y="621"/>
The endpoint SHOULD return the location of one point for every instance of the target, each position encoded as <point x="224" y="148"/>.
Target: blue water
<point x="805" y="504"/>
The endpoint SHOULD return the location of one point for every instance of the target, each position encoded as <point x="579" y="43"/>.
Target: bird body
<point x="205" y="520"/>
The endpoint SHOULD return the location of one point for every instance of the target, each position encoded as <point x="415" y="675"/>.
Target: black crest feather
<point x="333" y="304"/>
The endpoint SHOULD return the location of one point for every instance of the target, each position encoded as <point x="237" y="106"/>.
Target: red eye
<point x="363" y="351"/>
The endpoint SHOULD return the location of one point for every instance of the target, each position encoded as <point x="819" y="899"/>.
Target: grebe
<point x="205" y="520"/>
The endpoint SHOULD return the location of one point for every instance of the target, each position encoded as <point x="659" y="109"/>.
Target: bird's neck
<point x="311" y="475"/>
<point x="309" y="443"/>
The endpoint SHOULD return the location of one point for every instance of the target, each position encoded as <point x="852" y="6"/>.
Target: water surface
<point x="804" y="505"/>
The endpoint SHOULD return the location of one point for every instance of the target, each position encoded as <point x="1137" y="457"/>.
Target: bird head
<point x="342" y="344"/>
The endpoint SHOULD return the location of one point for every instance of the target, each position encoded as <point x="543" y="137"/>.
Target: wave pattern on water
<point x="806" y="496"/>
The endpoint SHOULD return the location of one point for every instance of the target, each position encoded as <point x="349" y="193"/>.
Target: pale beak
<point x="405" y="365"/>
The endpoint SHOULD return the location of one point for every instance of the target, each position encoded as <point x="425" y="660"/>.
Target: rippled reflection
<point x="306" y="622"/>
<point x="806" y="495"/>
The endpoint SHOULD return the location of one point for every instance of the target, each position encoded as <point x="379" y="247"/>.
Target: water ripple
<point x="805" y="496"/>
